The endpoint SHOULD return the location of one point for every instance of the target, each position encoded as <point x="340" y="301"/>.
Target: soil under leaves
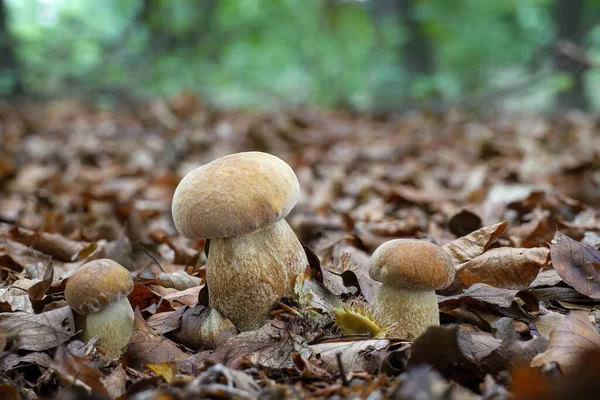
<point x="514" y="201"/>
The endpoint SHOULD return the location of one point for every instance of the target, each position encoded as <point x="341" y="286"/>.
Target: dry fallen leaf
<point x="179" y="280"/>
<point x="503" y="267"/>
<point x="569" y="340"/>
<point x="75" y="370"/>
<point x="148" y="347"/>
<point x="474" y="244"/>
<point x="577" y="264"/>
<point x="361" y="355"/>
<point x="39" y="331"/>
<point x="513" y="354"/>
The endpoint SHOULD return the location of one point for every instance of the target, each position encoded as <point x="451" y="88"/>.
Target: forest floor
<point x="514" y="201"/>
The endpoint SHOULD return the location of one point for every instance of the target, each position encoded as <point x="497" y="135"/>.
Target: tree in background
<point x="415" y="50"/>
<point x="10" y="83"/>
<point x="569" y="59"/>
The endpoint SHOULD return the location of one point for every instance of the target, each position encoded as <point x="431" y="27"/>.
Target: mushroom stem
<point x="412" y="310"/>
<point x="113" y="326"/>
<point x="247" y="274"/>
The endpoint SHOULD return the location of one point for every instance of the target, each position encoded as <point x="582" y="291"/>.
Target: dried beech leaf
<point x="308" y="369"/>
<point x="547" y="277"/>
<point x="504" y="267"/>
<point x="474" y="244"/>
<point x="577" y="264"/>
<point x="358" y="355"/>
<point x="148" y="347"/>
<point x="39" y="332"/>
<point x="15" y="300"/>
<point x="311" y="293"/>
<point x="13" y="360"/>
<point x="474" y="343"/>
<point x="268" y="347"/>
<point x="203" y="328"/>
<point x="545" y="323"/>
<point x="74" y="370"/>
<point x="514" y="353"/>
<point x="179" y="280"/>
<point x="569" y="340"/>
<point x="488" y="294"/>
<point x="115" y="383"/>
<point x="52" y="244"/>
<point x="166" y="322"/>
<point x="144" y="298"/>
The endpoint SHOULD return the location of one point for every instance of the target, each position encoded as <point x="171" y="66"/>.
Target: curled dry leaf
<point x="504" y="267"/>
<point x="39" y="332"/>
<point x="75" y="370"/>
<point x="513" y="354"/>
<point x="178" y="298"/>
<point x="15" y="299"/>
<point x="115" y="383"/>
<point x="148" y="347"/>
<point x="308" y="369"/>
<point x="203" y="328"/>
<point x="569" y="340"/>
<point x="491" y="295"/>
<point x="311" y="293"/>
<point x="474" y="343"/>
<point x="144" y="298"/>
<point x="545" y="323"/>
<point x="11" y="361"/>
<point x="452" y="347"/>
<point x="179" y="280"/>
<point x="546" y="277"/>
<point x="474" y="244"/>
<point x="267" y="347"/>
<point x="577" y="264"/>
<point x="53" y="244"/>
<point x="167" y="321"/>
<point x="357" y="355"/>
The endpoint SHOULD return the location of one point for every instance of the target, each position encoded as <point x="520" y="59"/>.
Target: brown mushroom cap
<point x="412" y="264"/>
<point x="234" y="195"/>
<point x="97" y="284"/>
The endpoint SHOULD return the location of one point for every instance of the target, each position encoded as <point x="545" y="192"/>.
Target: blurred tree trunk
<point x="417" y="51"/>
<point x="568" y="16"/>
<point x="8" y="63"/>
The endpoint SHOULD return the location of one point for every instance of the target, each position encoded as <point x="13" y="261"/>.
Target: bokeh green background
<point x="371" y="54"/>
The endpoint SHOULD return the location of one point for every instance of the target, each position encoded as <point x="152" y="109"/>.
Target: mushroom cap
<point x="234" y="195"/>
<point x="97" y="284"/>
<point x="412" y="264"/>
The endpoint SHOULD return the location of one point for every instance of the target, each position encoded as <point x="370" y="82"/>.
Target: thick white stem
<point x="411" y="310"/>
<point x="247" y="274"/>
<point x="113" y="326"/>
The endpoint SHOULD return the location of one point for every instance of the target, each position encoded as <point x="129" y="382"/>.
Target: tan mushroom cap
<point x="97" y="284"/>
<point x="412" y="264"/>
<point x="234" y="195"/>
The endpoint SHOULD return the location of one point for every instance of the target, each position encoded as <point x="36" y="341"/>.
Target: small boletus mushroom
<point x="99" y="289"/>
<point x="410" y="271"/>
<point x="239" y="202"/>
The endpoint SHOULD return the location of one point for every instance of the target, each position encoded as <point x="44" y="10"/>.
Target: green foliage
<point x="262" y="53"/>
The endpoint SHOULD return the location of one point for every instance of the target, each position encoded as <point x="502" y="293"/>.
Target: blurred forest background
<point x="519" y="55"/>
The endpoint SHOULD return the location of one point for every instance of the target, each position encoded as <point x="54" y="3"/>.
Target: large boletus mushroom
<point x="411" y="271"/>
<point x="239" y="202"/>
